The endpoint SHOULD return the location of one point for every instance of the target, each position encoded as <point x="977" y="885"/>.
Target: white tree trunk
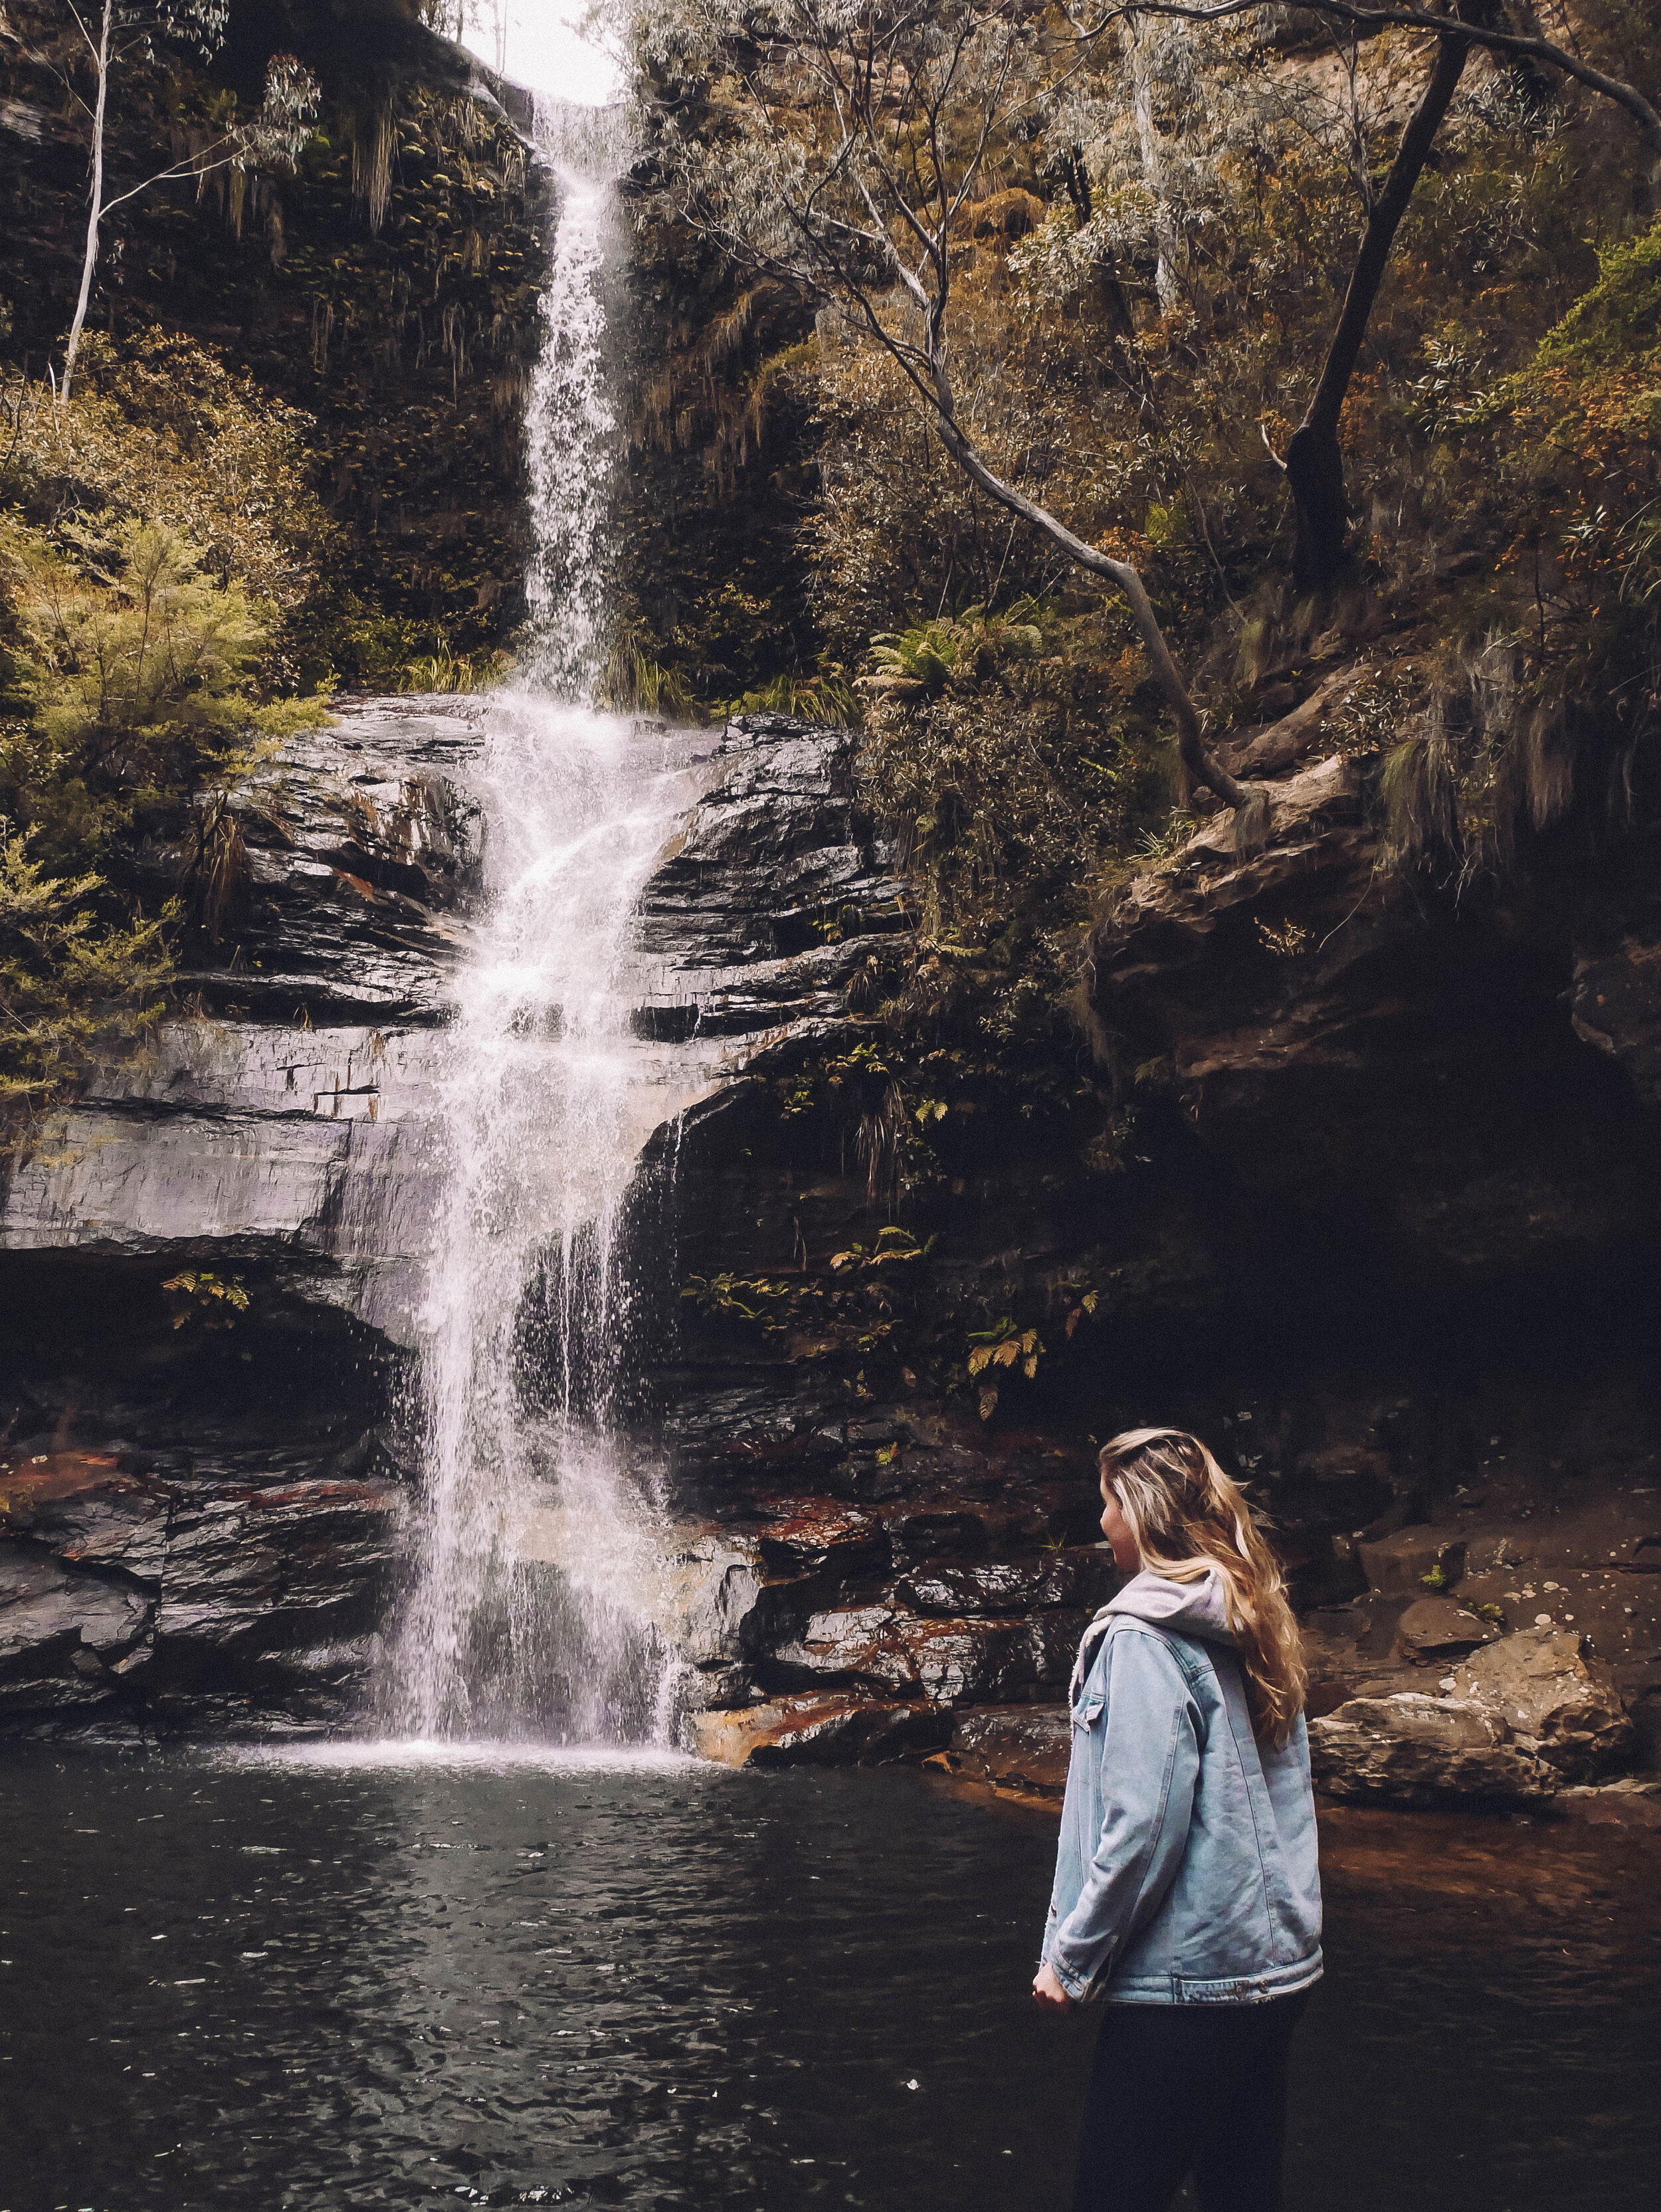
<point x="1152" y="151"/>
<point x="96" y="212"/>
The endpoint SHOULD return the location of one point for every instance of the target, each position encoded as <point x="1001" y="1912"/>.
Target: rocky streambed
<point x="1383" y="1234"/>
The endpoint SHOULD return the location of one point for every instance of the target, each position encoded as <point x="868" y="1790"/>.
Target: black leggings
<point x="1187" y="2088"/>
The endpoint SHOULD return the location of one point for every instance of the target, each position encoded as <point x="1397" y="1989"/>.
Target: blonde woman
<point x="1187" y="1894"/>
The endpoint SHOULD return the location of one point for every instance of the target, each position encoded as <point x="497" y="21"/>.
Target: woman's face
<point x="1117" y="1530"/>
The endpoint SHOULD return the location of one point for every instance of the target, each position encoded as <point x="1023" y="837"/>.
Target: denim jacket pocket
<point x="1088" y="1710"/>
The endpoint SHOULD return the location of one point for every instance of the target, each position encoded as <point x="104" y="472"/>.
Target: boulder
<point x="1021" y="1748"/>
<point x="1435" y="1627"/>
<point x="87" y="1509"/>
<point x="951" y="1661"/>
<point x="719" y="1603"/>
<point x="1632" y="1803"/>
<point x="1272" y="750"/>
<point x="1078" y="1579"/>
<point x="65" y="1638"/>
<point x="1564" y="1706"/>
<point x="1413" y="1750"/>
<point x="1362" y="1633"/>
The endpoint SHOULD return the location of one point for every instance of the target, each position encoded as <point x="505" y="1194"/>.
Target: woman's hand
<point x="1049" y="1992"/>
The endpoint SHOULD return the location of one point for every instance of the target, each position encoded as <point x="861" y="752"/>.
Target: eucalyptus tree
<point x="1314" y="460"/>
<point x="120" y="35"/>
<point x="836" y="144"/>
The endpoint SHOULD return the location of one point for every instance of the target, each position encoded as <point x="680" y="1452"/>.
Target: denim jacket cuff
<point x="1077" y="1986"/>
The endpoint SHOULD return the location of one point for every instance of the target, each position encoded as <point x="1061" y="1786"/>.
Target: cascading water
<point x="570" y="428"/>
<point x="538" y="1575"/>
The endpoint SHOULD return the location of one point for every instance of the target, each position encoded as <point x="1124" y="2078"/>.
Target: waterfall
<point x="571" y="427"/>
<point x="538" y="1564"/>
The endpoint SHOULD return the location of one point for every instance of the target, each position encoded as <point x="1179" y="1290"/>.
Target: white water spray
<point x="571" y="427"/>
<point x="539" y="1578"/>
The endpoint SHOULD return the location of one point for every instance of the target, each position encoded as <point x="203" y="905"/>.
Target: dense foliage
<point x="1155" y="224"/>
<point x="1149" y="225"/>
<point x="384" y="290"/>
<point x="156" y="545"/>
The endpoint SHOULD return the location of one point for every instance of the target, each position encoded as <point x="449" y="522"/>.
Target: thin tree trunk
<point x="96" y="213"/>
<point x="1314" y="459"/>
<point x="1152" y="152"/>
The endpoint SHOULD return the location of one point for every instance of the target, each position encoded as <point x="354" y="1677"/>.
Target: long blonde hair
<point x="1188" y="1516"/>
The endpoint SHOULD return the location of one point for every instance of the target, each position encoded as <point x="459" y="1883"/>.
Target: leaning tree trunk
<point x="1314" y="458"/>
<point x="96" y="214"/>
<point x="1200" y="764"/>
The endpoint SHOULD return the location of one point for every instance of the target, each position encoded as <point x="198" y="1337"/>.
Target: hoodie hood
<point x="1195" y="1608"/>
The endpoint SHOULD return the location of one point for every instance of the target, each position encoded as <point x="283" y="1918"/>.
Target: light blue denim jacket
<point x="1187" y="1870"/>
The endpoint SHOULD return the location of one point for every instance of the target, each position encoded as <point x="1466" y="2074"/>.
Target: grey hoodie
<point x="1197" y="1608"/>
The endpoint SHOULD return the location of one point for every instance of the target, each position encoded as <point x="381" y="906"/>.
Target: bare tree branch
<point x="1191" y="739"/>
<point x="95" y="212"/>
<point x="291" y="98"/>
<point x="1383" y="19"/>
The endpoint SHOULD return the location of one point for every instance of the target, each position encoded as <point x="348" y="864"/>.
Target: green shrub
<point x="71" y="979"/>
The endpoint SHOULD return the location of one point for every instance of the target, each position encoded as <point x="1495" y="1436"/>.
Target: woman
<point x="1187" y="1894"/>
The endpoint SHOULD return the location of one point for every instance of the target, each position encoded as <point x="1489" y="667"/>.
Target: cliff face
<point x="1384" y="1231"/>
<point x="388" y="289"/>
<point x="870" y="1565"/>
<point x="1381" y="1231"/>
<point x="1458" y="1091"/>
<point x="1424" y="1119"/>
<point x="208" y="1271"/>
<point x="206" y="1268"/>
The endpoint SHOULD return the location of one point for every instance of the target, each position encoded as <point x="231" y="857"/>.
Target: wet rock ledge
<point x="206" y="1268"/>
<point x="1385" y="1235"/>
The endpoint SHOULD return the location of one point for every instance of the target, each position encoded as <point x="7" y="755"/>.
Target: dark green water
<point x="294" y="1987"/>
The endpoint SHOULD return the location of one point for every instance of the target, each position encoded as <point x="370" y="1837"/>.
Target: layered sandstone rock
<point x="1019" y="1751"/>
<point x="1565" y="1705"/>
<point x="1379" y="1237"/>
<point x="829" y="1727"/>
<point x="1409" y="1749"/>
<point x="226" y="1557"/>
<point x="123" y="1591"/>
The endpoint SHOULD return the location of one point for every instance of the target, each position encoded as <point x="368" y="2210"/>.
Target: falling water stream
<point x="536" y="1603"/>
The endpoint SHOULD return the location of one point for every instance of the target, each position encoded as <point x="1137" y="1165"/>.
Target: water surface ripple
<point x="299" y="1986"/>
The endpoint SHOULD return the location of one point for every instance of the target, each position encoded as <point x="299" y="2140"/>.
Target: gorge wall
<point x="1380" y="1227"/>
<point x="1346" y="1156"/>
<point x="386" y="288"/>
<point x="254" y="1158"/>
